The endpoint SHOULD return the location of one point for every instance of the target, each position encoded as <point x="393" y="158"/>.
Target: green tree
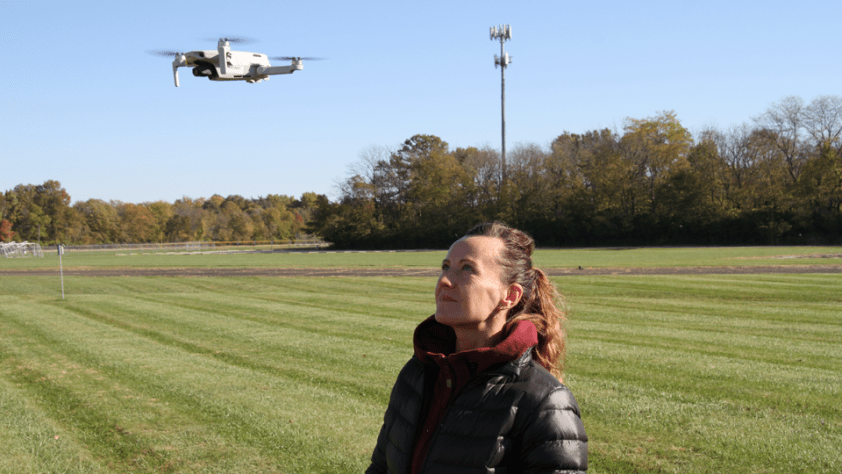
<point x="74" y="231"/>
<point x="393" y="178"/>
<point x="438" y="193"/>
<point x="19" y="202"/>
<point x="353" y="221"/>
<point x="658" y="146"/>
<point x="137" y="223"/>
<point x="189" y="222"/>
<point x="528" y="186"/>
<point x="239" y="222"/>
<point x="820" y="187"/>
<point x="711" y="176"/>
<point x="483" y="167"/>
<point x="100" y="221"/>
<point x="4" y="206"/>
<point x="595" y="190"/>
<point x="305" y="207"/>
<point x="162" y="213"/>
<point x="53" y="201"/>
<point x="40" y="220"/>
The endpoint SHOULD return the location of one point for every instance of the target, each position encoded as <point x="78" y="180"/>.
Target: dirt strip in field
<point x="417" y="272"/>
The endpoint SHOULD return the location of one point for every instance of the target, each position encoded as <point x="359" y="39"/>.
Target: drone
<point x="227" y="65"/>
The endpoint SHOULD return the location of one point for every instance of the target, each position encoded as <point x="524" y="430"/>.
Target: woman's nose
<point x="444" y="280"/>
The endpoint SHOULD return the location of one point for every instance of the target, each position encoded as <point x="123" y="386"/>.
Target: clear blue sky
<point x="85" y="104"/>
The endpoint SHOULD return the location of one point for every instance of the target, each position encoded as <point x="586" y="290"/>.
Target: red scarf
<point x="446" y="372"/>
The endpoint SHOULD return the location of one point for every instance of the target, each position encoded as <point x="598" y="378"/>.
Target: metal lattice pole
<point x="503" y="33"/>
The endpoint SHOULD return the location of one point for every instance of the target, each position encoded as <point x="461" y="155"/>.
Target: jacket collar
<point x="435" y="343"/>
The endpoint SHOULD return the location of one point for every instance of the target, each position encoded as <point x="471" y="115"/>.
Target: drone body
<point x="226" y="65"/>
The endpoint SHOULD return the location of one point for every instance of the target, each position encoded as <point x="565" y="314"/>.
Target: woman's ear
<point x="513" y="295"/>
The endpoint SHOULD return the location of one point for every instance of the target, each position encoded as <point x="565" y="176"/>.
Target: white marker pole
<point x="60" y="268"/>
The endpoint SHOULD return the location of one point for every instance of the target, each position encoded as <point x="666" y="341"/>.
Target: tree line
<point x="775" y="180"/>
<point x="42" y="213"/>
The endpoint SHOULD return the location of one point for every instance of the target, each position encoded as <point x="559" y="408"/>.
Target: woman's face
<point x="469" y="292"/>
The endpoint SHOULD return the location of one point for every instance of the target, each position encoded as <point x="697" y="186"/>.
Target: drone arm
<point x="175" y="74"/>
<point x="274" y="70"/>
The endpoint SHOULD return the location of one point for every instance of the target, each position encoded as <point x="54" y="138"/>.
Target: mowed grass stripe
<point x="294" y="333"/>
<point x="295" y="354"/>
<point x="332" y="303"/>
<point x="42" y="367"/>
<point x="712" y="373"/>
<point x="814" y="391"/>
<point x="228" y="401"/>
<point x="747" y="347"/>
<point x="696" y="373"/>
<point x="644" y="429"/>
<point x="765" y="288"/>
<point x="815" y="319"/>
<point x="212" y="411"/>
<point x="717" y="320"/>
<point x="30" y="441"/>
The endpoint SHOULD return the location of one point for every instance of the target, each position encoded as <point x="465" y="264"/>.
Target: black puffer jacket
<point x="514" y="418"/>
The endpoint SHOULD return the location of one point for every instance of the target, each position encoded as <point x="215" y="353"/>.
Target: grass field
<point x="596" y="258"/>
<point x="680" y="373"/>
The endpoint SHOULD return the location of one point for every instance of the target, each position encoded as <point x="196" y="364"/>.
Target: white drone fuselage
<point x="226" y="65"/>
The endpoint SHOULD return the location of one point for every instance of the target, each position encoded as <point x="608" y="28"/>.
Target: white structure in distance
<point x="20" y="249"/>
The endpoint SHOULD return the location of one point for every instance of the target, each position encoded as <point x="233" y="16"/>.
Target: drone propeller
<point x="233" y="39"/>
<point x="290" y="58"/>
<point x="164" y="53"/>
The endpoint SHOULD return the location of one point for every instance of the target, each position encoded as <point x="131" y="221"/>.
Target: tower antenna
<point x="503" y="33"/>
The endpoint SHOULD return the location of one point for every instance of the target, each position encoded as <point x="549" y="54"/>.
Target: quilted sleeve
<point x="394" y="443"/>
<point x="378" y="457"/>
<point x="554" y="439"/>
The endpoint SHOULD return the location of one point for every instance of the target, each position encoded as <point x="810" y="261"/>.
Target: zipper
<point x="471" y="383"/>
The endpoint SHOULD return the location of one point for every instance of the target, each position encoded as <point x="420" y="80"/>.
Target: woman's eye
<point x="445" y="266"/>
<point x="467" y="267"/>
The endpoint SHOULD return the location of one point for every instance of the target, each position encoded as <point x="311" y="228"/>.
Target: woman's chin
<point x="444" y="318"/>
<point x="449" y="318"/>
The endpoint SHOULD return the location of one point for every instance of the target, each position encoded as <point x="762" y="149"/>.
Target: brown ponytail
<point x="538" y="303"/>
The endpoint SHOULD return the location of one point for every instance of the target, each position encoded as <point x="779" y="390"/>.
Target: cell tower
<point x="503" y="33"/>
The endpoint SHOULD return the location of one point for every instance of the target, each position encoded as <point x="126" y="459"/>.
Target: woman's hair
<point x="538" y="303"/>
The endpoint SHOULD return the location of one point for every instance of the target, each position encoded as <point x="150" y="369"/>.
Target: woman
<point x="482" y="392"/>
